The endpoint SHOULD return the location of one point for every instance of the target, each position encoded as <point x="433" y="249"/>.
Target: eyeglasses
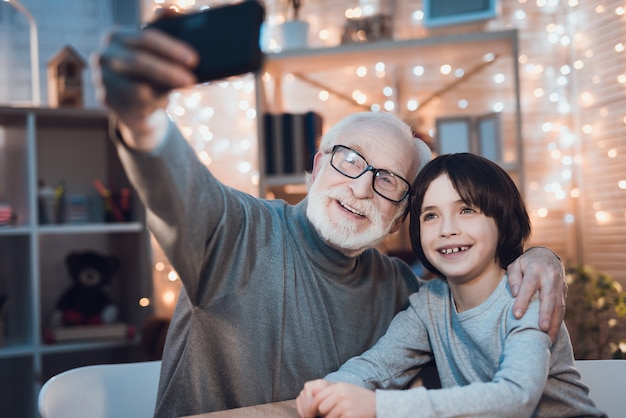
<point x="385" y="183"/>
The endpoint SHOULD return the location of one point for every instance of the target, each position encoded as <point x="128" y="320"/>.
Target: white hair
<point x="396" y="127"/>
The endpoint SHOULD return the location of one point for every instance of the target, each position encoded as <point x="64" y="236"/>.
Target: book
<point x="277" y="144"/>
<point x="313" y="133"/>
<point x="77" y="208"/>
<point x="3" y="310"/>
<point x="268" y="135"/>
<point x="4" y="302"/>
<point x="288" y="143"/>
<point x="89" y="332"/>
<point x="298" y="140"/>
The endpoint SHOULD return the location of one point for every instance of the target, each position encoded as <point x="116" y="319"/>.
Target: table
<point x="284" y="409"/>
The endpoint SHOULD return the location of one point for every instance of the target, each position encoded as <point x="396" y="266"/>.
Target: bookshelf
<point x="68" y="147"/>
<point x="291" y="81"/>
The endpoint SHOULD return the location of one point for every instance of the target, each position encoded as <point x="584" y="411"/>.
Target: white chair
<point x="102" y="391"/>
<point x="607" y="384"/>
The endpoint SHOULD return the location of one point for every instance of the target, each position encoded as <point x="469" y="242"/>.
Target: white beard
<point x="344" y="235"/>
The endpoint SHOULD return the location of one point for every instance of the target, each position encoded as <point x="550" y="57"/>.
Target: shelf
<point x="69" y="148"/>
<point x="17" y="350"/>
<point x="110" y="228"/>
<point x="53" y="117"/>
<point x="14" y="230"/>
<point x="437" y="49"/>
<point x="68" y="347"/>
<point x="292" y="80"/>
<point x="274" y="180"/>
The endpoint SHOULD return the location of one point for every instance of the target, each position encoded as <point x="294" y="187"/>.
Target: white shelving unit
<point x="291" y="80"/>
<point x="71" y="147"/>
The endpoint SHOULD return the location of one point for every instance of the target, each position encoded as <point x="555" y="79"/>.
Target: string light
<point x="603" y="217"/>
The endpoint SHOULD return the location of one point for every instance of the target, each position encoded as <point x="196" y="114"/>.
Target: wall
<point x="573" y="82"/>
<point x="79" y="23"/>
<point x="601" y="125"/>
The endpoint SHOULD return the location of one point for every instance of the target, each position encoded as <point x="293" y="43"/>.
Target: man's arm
<point x="540" y="269"/>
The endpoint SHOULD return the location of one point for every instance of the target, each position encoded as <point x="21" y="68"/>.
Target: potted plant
<point x="293" y="9"/>
<point x="294" y="31"/>
<point x="596" y="304"/>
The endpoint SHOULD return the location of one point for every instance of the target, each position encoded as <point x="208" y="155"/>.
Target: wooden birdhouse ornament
<point x="65" y="79"/>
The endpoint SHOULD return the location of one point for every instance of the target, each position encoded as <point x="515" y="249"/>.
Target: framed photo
<point x="454" y="12"/>
<point x="479" y="135"/>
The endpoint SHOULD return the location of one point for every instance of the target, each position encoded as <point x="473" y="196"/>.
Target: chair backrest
<point x="102" y="391"/>
<point x="606" y="380"/>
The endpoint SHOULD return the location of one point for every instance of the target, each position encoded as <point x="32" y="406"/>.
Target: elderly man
<point x="273" y="294"/>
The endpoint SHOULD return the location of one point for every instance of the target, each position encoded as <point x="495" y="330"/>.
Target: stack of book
<point x="291" y="140"/>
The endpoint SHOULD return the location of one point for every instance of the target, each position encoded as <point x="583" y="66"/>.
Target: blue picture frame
<point x="453" y="12"/>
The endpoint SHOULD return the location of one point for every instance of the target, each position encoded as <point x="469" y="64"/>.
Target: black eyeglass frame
<point x="374" y="170"/>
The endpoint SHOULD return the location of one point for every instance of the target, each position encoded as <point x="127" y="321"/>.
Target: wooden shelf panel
<point x="440" y="49"/>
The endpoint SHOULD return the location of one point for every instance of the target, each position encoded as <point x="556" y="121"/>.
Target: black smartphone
<point x="226" y="38"/>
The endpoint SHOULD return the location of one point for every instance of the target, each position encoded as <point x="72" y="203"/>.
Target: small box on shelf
<point x="117" y="203"/>
<point x="77" y="208"/>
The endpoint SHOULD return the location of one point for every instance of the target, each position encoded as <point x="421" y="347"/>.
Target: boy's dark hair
<point x="484" y="185"/>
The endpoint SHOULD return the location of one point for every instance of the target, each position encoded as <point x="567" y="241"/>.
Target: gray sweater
<point x="490" y="364"/>
<point x="265" y="304"/>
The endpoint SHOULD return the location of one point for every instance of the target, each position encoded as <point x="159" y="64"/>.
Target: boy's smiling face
<point x="457" y="238"/>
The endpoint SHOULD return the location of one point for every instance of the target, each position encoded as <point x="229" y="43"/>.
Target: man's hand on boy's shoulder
<point x="540" y="269"/>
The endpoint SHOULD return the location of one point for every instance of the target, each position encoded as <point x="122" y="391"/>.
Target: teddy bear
<point x="86" y="302"/>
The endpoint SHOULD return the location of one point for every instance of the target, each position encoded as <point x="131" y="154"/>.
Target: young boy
<point x="468" y="221"/>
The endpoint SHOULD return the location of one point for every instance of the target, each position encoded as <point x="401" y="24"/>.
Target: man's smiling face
<point x="347" y="212"/>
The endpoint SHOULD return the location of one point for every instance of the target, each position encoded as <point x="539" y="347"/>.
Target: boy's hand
<point x="344" y="400"/>
<point x="305" y="402"/>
